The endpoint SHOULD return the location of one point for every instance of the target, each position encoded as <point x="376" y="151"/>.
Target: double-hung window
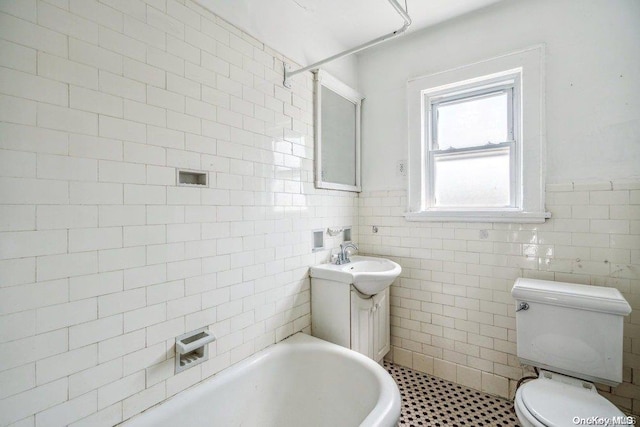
<point x="473" y="146"/>
<point x="476" y="142"/>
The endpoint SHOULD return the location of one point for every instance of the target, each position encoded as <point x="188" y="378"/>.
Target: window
<point x="470" y="157"/>
<point x="473" y="145"/>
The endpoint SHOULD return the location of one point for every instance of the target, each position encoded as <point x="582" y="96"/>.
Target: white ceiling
<point x="355" y="21"/>
<point x="310" y="30"/>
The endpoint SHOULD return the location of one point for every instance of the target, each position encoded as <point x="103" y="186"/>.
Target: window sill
<point x="479" y="216"/>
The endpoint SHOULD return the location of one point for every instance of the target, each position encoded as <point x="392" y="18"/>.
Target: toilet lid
<point x="554" y="403"/>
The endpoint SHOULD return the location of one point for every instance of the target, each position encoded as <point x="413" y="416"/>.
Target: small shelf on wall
<point x="192" y="178"/>
<point x="192" y="348"/>
<point x="318" y="240"/>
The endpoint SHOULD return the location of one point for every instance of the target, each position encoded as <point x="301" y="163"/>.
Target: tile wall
<point x="103" y="258"/>
<point x="452" y="311"/>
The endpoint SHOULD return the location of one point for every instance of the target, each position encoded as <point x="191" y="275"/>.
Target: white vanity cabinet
<point x="344" y="316"/>
<point x="381" y="328"/>
<point x="370" y="333"/>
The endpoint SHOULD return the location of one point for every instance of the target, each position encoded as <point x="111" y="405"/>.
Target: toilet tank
<point x="571" y="329"/>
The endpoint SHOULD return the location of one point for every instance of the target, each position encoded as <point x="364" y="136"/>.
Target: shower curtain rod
<point x="407" y="21"/>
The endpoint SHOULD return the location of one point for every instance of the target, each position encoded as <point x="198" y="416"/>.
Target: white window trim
<point x="532" y="155"/>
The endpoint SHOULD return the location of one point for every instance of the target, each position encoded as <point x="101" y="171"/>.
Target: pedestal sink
<point x="369" y="275"/>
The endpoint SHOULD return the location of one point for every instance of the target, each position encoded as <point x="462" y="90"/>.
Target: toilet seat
<point x="555" y="400"/>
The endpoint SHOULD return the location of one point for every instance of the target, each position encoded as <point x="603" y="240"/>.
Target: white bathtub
<point x="301" y="381"/>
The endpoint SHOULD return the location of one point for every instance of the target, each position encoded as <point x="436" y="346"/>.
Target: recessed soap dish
<point x="192" y="348"/>
<point x="318" y="240"/>
<point x="186" y="177"/>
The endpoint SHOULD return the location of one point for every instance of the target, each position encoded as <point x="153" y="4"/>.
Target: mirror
<point x="337" y="134"/>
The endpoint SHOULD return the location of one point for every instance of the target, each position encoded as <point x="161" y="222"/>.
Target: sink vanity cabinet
<point x="370" y="333"/>
<point x="342" y="315"/>
<point x="350" y="304"/>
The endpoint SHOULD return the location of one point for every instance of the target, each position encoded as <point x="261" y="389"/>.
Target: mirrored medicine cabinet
<point x="337" y="134"/>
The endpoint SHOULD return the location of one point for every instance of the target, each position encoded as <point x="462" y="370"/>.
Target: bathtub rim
<point x="386" y="411"/>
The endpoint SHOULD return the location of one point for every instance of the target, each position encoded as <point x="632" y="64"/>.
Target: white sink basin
<point x="369" y="275"/>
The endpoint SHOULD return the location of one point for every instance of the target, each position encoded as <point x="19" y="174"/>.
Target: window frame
<point x="484" y="87"/>
<point x="527" y="201"/>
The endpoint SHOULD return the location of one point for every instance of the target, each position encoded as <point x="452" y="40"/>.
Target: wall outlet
<point x="401" y="168"/>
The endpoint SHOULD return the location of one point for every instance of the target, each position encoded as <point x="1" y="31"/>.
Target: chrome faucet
<point x="343" y="256"/>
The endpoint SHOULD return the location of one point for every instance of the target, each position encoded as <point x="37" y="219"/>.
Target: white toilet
<point x="573" y="333"/>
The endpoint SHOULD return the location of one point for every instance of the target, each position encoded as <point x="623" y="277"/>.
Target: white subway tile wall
<point x="103" y="259"/>
<point x="452" y="314"/>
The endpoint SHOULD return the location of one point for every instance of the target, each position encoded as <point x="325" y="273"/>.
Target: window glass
<point x="478" y="180"/>
<point x="472" y="121"/>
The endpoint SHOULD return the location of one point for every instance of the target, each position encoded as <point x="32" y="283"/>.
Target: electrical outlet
<point x="401" y="168"/>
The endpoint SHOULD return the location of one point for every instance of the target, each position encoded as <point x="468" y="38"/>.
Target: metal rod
<point x="407" y="21"/>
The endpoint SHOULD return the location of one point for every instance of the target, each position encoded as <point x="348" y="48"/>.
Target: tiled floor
<point x="430" y="401"/>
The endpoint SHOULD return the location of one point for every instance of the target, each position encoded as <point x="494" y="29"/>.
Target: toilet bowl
<point x="555" y="400"/>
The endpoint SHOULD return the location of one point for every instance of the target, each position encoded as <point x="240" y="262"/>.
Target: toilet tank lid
<point x="586" y="297"/>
